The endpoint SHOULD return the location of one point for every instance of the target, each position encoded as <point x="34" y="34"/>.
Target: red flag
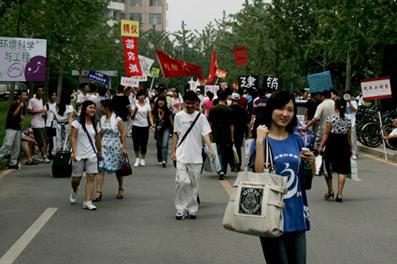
<point x="132" y="65"/>
<point x="240" y="55"/>
<point x="172" y="67"/>
<point x="213" y="68"/>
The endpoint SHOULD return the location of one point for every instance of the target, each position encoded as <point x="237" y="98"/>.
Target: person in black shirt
<point x="121" y="104"/>
<point x="311" y="106"/>
<point x="240" y="124"/>
<point x="220" y="119"/>
<point x="12" y="138"/>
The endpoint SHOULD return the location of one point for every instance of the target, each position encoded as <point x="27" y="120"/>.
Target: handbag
<point x="125" y="168"/>
<point x="209" y="164"/>
<point x="307" y="175"/>
<point x="256" y="204"/>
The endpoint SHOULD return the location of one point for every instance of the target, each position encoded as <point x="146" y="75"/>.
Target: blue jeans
<point x="290" y="248"/>
<point x="162" y="138"/>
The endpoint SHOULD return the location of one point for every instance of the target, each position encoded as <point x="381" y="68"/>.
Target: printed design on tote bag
<point x="251" y="201"/>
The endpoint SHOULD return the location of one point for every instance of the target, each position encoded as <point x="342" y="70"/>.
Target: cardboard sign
<point x="155" y="72"/>
<point x="212" y="88"/>
<point x="319" y="82"/>
<point x="240" y="54"/>
<point x="272" y="83"/>
<point x="23" y="59"/>
<point x="98" y="77"/>
<point x="129" y="28"/>
<point x="377" y="88"/>
<point x="130" y="82"/>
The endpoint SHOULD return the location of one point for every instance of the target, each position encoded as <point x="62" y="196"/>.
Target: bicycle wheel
<point x="371" y="135"/>
<point x="390" y="143"/>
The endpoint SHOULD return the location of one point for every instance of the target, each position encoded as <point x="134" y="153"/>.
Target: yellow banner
<point x="129" y="28"/>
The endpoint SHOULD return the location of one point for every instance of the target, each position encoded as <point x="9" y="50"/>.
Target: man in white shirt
<point x="187" y="155"/>
<point x="37" y="110"/>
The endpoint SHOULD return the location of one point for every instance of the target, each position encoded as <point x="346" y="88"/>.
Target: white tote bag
<point x="256" y="204"/>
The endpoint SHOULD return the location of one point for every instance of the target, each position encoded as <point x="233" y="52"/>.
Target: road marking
<point x="11" y="255"/>
<point x="379" y="159"/>
<point x="5" y="172"/>
<point x="227" y="186"/>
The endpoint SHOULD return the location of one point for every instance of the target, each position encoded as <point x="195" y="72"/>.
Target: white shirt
<point x="393" y="132"/>
<point x="141" y="117"/>
<point x="38" y="118"/>
<point x="50" y="121"/>
<point x="64" y="118"/>
<point x="349" y="112"/>
<point x="190" y="149"/>
<point x="84" y="148"/>
<point x="324" y="110"/>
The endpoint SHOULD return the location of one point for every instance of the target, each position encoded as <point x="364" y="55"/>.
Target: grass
<point x="3" y="117"/>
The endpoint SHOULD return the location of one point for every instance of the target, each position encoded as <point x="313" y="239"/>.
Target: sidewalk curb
<point x="378" y="152"/>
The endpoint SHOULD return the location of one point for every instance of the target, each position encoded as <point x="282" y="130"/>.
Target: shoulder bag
<point x="256" y="204"/>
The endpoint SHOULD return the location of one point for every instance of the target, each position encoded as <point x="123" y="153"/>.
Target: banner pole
<point x="381" y="133"/>
<point x="216" y="83"/>
<point x="151" y="85"/>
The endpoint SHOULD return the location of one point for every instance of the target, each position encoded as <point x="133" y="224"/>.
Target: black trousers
<point x="140" y="137"/>
<point x="225" y="151"/>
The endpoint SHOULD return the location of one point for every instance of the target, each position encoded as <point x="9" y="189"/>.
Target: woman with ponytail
<point x="338" y="148"/>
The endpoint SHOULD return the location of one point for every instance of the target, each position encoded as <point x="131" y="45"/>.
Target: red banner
<point x="132" y="65"/>
<point x="172" y="67"/>
<point x="240" y="54"/>
<point x="213" y="68"/>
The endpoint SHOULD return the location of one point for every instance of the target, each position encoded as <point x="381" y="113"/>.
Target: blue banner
<point x="319" y="82"/>
<point x="98" y="77"/>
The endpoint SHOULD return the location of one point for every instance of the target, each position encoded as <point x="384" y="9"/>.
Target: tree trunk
<point x="60" y="80"/>
<point x="348" y="83"/>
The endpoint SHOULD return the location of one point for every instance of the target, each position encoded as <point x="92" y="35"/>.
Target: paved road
<point x="142" y="228"/>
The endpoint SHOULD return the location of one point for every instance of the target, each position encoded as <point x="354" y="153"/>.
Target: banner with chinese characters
<point x="376" y="88"/>
<point x="98" y="77"/>
<point x="130" y="82"/>
<point x="129" y="35"/>
<point x="23" y="59"/>
<point x="240" y="54"/>
<point x="172" y="67"/>
<point x="248" y="82"/>
<point x="272" y="83"/>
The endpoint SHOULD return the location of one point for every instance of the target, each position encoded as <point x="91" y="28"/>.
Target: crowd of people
<point x="94" y="125"/>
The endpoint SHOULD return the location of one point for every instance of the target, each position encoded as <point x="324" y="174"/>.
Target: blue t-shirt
<point x="286" y="158"/>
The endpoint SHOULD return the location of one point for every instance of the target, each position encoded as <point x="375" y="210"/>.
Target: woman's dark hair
<point x="83" y="115"/>
<point x="107" y="103"/>
<point x="210" y="95"/>
<point x="140" y="92"/>
<point x="65" y="100"/>
<point x="277" y="100"/>
<point x="156" y="105"/>
<point x="340" y="104"/>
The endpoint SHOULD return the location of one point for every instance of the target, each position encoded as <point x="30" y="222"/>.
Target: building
<point x="150" y="13"/>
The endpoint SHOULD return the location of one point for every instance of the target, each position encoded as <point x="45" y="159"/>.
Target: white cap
<point x="235" y="96"/>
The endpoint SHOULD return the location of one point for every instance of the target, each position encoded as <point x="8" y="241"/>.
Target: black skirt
<point x="338" y="153"/>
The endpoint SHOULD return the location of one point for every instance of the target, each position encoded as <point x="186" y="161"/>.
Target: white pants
<point x="354" y="141"/>
<point x="11" y="145"/>
<point x="187" y="186"/>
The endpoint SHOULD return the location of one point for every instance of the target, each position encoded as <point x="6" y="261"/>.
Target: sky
<point x="198" y="13"/>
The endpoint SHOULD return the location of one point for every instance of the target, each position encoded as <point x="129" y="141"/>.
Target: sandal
<point x="98" y="196"/>
<point x="120" y="194"/>
<point x="33" y="162"/>
<point x="329" y="195"/>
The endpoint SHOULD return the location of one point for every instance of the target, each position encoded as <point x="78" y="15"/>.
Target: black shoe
<point x="192" y="215"/>
<point x="14" y="167"/>
<point x="164" y="164"/>
<point x="221" y="176"/>
<point x="180" y="216"/>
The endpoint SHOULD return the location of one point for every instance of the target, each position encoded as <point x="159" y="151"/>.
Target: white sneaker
<point x="46" y="160"/>
<point x="137" y="162"/>
<point x="354" y="157"/>
<point x="89" y="205"/>
<point x="143" y="163"/>
<point x="72" y="197"/>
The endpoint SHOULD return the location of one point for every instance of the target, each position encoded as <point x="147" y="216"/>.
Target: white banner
<point x="23" y="59"/>
<point x="146" y="64"/>
<point x="377" y="88"/>
<point x="212" y="88"/>
<point x="130" y="82"/>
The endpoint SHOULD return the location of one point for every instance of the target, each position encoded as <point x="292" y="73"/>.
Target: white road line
<point x="11" y="255"/>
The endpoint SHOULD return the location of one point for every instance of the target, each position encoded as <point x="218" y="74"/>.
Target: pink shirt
<point x="207" y="106"/>
<point x="176" y="105"/>
<point x="37" y="119"/>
